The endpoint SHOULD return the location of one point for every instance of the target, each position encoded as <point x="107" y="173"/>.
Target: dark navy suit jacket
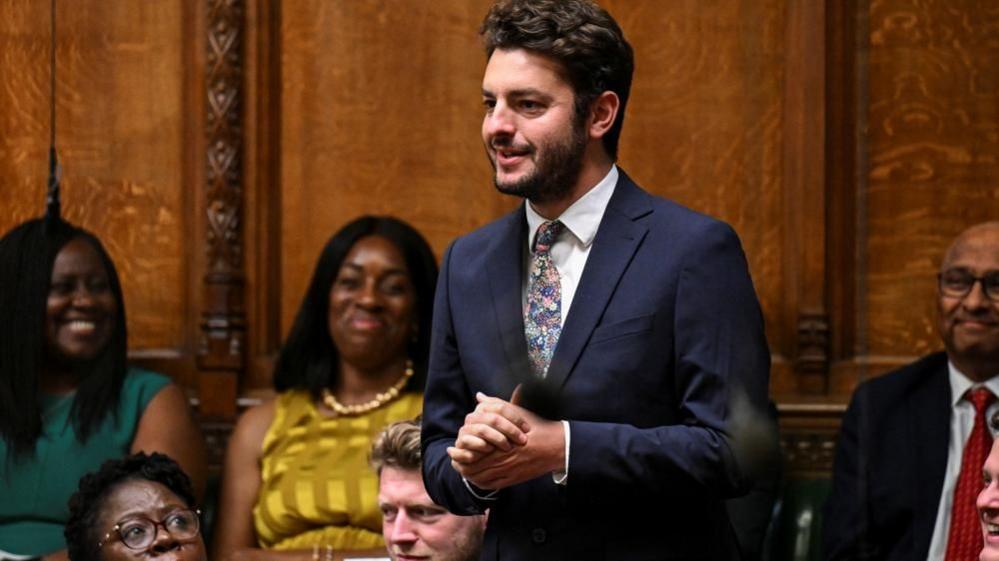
<point x="664" y="328"/>
<point x="890" y="463"/>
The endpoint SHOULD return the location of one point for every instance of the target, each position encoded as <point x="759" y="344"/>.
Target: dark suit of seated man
<point x="909" y="460"/>
<point x="631" y="321"/>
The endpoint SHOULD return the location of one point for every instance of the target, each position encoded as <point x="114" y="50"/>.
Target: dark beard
<point x="555" y="172"/>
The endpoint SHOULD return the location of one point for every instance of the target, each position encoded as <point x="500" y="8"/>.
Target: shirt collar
<point x="583" y="217"/>
<point x="960" y="383"/>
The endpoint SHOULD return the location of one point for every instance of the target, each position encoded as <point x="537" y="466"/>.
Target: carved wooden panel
<point x="934" y="157"/>
<point x="217" y="434"/>
<point x="120" y="139"/>
<point x="808" y="438"/>
<point x="808" y="454"/>
<point x="221" y="345"/>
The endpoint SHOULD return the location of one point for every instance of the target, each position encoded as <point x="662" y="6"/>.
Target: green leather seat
<point x="796" y="534"/>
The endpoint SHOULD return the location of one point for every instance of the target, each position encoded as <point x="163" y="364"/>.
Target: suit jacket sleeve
<point x="720" y="356"/>
<point x="445" y="408"/>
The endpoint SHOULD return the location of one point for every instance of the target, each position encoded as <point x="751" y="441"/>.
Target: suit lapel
<point x="931" y="410"/>
<point x="617" y="239"/>
<point x="505" y="267"/>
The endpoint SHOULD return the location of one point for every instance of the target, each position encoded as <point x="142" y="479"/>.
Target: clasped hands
<point x="503" y="444"/>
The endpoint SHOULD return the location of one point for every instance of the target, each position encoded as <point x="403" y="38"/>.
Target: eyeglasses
<point x="140" y="532"/>
<point x="957" y="283"/>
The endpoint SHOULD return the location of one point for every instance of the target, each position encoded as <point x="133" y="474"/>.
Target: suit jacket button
<point x="539" y="535"/>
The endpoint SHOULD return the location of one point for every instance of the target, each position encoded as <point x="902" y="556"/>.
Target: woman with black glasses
<point x="134" y="508"/>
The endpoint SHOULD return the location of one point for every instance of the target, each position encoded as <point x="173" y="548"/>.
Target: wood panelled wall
<point x="933" y="149"/>
<point x="216" y="145"/>
<point x="122" y="81"/>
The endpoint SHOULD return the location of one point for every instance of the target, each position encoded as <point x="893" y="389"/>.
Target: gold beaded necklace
<point x="381" y="399"/>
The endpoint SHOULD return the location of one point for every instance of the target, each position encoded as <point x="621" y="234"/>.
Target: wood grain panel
<point x="705" y="125"/>
<point x="120" y="95"/>
<point x="24" y="115"/>
<point x="380" y="108"/>
<point x="934" y="156"/>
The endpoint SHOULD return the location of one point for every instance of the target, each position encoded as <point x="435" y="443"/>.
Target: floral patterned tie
<point x="964" y="541"/>
<point x="543" y="313"/>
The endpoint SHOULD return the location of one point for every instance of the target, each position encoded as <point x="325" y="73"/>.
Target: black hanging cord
<point x="53" y="208"/>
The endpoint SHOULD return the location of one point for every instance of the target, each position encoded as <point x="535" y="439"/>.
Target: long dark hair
<point x="309" y="359"/>
<point x="27" y="254"/>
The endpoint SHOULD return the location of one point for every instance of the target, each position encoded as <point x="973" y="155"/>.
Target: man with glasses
<point x="909" y="460"/>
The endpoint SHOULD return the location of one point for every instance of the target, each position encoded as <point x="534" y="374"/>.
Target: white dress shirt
<point x="962" y="420"/>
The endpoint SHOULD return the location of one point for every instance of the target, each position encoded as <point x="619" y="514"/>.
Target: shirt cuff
<point x="481" y="494"/>
<point x="562" y="477"/>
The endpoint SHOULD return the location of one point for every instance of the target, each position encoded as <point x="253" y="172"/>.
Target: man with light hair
<point x="414" y="527"/>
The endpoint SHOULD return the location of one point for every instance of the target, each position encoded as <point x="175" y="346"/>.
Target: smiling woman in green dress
<point x="68" y="399"/>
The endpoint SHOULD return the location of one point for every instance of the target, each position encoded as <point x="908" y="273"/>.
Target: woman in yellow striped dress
<point x="296" y="481"/>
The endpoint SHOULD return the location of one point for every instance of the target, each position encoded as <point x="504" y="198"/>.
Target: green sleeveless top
<point x="34" y="490"/>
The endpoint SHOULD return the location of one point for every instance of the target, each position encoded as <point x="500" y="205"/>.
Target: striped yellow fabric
<point x="317" y="488"/>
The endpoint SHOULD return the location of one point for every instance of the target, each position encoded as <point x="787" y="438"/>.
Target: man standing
<point x="909" y="460"/>
<point x="414" y="527"/>
<point x="630" y="323"/>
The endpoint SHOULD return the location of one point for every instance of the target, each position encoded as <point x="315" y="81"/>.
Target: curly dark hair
<point x="87" y="503"/>
<point x="580" y="35"/>
<point x="27" y="255"/>
<point x="309" y="359"/>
